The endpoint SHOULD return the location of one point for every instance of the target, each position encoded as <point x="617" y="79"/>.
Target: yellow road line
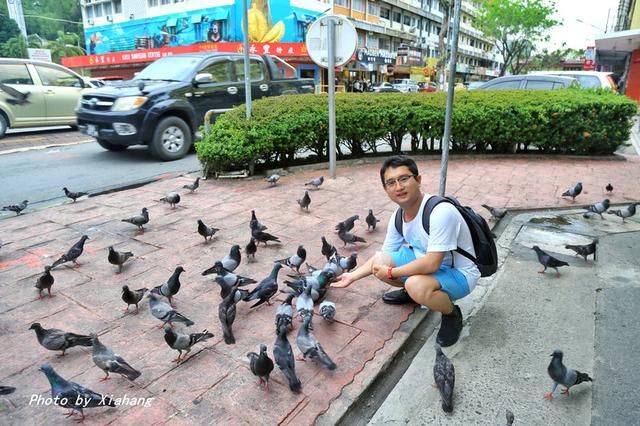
<point x="23" y="140"/>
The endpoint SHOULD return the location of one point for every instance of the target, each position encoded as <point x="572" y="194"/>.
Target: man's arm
<point x="427" y="264"/>
<point x="347" y="278"/>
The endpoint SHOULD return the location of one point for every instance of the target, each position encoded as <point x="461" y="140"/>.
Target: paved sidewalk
<point x="215" y="385"/>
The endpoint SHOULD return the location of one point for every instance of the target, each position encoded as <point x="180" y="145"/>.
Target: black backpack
<point x="483" y="244"/>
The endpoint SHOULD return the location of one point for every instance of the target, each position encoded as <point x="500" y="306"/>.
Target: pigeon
<point x="573" y="192"/>
<point x="58" y="340"/>
<point x="172" y="198"/>
<point x="284" y="314"/>
<point x="328" y="310"/>
<point x="273" y="179"/>
<point x="304" y="201"/>
<point x="227" y="315"/>
<point x="371" y="221"/>
<point x="311" y="348"/>
<point x="348" y="263"/>
<point x="17" y="208"/>
<point x="598" y="208"/>
<point x="510" y="417"/>
<point x="261" y="365"/>
<point x="165" y="313"/>
<point x="444" y="376"/>
<point x="7" y="390"/>
<point x="132" y="297"/>
<point x="263" y="237"/>
<point x="304" y="304"/>
<point x="251" y="249"/>
<point x="227" y="279"/>
<point x="283" y="356"/>
<point x="318" y="284"/>
<point x="349" y="238"/>
<point x="254" y="224"/>
<point x="139" y="220"/>
<point x="328" y="249"/>
<point x="193" y="186"/>
<point x="609" y="188"/>
<point x="118" y="258"/>
<point x="267" y="288"/>
<point x="496" y="213"/>
<point x="295" y="261"/>
<point x="625" y="213"/>
<point x="74" y="195"/>
<point x="347" y="224"/>
<point x="183" y="342"/>
<point x="315" y="182"/>
<point x="110" y="362"/>
<point x="206" y="231"/>
<point x="548" y="261"/>
<point x="171" y="287"/>
<point x="16" y="97"/>
<point x="584" y="250"/>
<point x="44" y="282"/>
<point x="73" y="396"/>
<point x="73" y="254"/>
<point x="231" y="261"/>
<point x="562" y="375"/>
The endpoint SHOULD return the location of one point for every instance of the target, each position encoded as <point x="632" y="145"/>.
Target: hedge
<point x="570" y="121"/>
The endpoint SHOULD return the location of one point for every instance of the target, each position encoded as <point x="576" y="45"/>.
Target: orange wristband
<point x="389" y="275"/>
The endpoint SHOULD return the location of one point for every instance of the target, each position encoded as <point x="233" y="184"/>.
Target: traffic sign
<point x="346" y="40"/>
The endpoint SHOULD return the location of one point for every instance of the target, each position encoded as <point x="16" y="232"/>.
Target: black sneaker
<point x="450" y="328"/>
<point x="397" y="297"/>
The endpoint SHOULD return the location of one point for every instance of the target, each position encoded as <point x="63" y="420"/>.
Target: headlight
<point x="128" y="103"/>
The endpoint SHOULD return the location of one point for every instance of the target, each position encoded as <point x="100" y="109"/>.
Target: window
<point x="56" y="77"/>
<point x="153" y="3"/>
<point x="558" y="86"/>
<point x="436" y="29"/>
<point x="255" y="70"/>
<point x="98" y="10"/>
<point x="343" y="3"/>
<point x="220" y="71"/>
<point x="89" y="12"/>
<point x="539" y="85"/>
<point x="108" y="9"/>
<point x="397" y="17"/>
<point x="361" y="40"/>
<point x="372" y="42"/>
<point x="15" y="74"/>
<point x="587" y="81"/>
<point x="406" y="20"/>
<point x="358" y="5"/>
<point x="163" y="2"/>
<point x="505" y="85"/>
<point x="117" y="6"/>
<point x="383" y="43"/>
<point x="373" y="9"/>
<point x="384" y="13"/>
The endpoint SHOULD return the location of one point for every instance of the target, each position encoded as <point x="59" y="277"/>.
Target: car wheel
<point x="111" y="147"/>
<point x="3" y="125"/>
<point x="171" y="140"/>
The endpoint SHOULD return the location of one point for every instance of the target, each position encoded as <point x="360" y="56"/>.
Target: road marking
<point x="24" y="140"/>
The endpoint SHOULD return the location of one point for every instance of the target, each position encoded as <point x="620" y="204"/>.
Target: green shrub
<point x="572" y="121"/>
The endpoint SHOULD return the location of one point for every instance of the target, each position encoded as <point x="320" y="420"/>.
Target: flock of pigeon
<point x="308" y="290"/>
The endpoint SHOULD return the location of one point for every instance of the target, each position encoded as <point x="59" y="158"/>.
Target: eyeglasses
<point x="402" y="180"/>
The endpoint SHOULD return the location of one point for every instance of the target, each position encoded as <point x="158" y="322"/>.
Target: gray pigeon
<point x="73" y="254"/>
<point x="206" y="231"/>
<point x="251" y="249"/>
<point x="171" y="287"/>
<point x="315" y="182"/>
<point x="45" y="281"/>
<point x="173" y="198"/>
<point x="496" y="213"/>
<point x="371" y="221"/>
<point x="15" y="96"/>
<point x="284" y="314"/>
<point x="183" y="342"/>
<point x="348" y="263"/>
<point x="132" y="297"/>
<point x="193" y="186"/>
<point x="573" y="192"/>
<point x="263" y="237"/>
<point x="139" y="220"/>
<point x="58" y="340"/>
<point x="304" y="304"/>
<point x="510" y="417"/>
<point x="348" y="238"/>
<point x="328" y="310"/>
<point x="584" y="250"/>
<point x="227" y="279"/>
<point x="227" y="315"/>
<point x="273" y="179"/>
<point x="73" y="396"/>
<point x="74" y="195"/>
<point x="348" y="223"/>
<point x="261" y="365"/>
<point x="230" y="262"/>
<point x="562" y="375"/>
<point x="254" y="224"/>
<point x="625" y="213"/>
<point x="599" y="208"/>
<point x="317" y="285"/>
<point x="444" y="376"/>
<point x="118" y="258"/>
<point x="283" y="356"/>
<point x="311" y="348"/>
<point x="165" y="313"/>
<point x="267" y="288"/>
<point x="548" y="261"/>
<point x="16" y="208"/>
<point x="304" y="201"/>
<point x="110" y="362"/>
<point x="295" y="261"/>
<point x="328" y="249"/>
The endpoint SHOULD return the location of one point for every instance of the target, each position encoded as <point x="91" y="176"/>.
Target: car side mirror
<point x="203" y="78"/>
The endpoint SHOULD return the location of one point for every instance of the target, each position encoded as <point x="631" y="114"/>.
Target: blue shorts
<point x="452" y="281"/>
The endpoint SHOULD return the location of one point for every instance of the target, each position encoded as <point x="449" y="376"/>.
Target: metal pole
<point x="444" y="144"/>
<point x="247" y="71"/>
<point x="331" y="72"/>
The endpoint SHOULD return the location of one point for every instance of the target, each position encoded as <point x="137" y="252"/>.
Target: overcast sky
<point x="576" y="34"/>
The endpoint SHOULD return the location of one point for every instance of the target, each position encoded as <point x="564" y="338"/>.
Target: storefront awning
<point x="619" y="41"/>
<point x="171" y="22"/>
<point x="220" y="15"/>
<point x="196" y="19"/>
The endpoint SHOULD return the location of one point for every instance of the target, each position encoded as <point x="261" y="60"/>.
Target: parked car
<point x="427" y="87"/>
<point x="586" y="79"/>
<point x="530" y="82"/>
<point x="405" y="85"/>
<point x="165" y="104"/>
<point x="382" y="87"/>
<point x="473" y="85"/>
<point x="50" y="91"/>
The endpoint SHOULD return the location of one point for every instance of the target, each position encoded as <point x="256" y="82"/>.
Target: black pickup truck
<point x="165" y="104"/>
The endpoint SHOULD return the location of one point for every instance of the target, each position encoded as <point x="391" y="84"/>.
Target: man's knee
<point x="382" y="258"/>
<point x="420" y="286"/>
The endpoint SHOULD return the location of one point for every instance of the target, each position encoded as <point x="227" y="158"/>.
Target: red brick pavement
<point x="215" y="386"/>
<point x="40" y="139"/>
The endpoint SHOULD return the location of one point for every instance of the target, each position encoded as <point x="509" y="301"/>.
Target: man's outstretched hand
<point x="345" y="280"/>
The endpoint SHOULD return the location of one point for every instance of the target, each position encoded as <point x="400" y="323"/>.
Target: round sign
<point x="345" y="40"/>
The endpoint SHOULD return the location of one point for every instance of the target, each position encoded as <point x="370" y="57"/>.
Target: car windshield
<point x="169" y="68"/>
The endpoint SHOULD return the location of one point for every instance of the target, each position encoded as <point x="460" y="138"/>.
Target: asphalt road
<point x="40" y="175"/>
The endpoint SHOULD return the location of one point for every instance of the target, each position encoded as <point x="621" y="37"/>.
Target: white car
<point x="586" y="79"/>
<point x="405" y="85"/>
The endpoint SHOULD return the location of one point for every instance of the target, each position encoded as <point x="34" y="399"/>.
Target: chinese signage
<point x="375" y="56"/>
<point x="589" y="59"/>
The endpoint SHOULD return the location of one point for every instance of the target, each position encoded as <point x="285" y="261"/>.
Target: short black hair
<point x="398" y="161"/>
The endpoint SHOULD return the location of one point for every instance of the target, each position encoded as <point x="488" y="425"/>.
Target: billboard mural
<point x="270" y="21"/>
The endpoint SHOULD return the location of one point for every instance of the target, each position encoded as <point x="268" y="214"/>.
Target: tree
<point x="515" y="26"/>
<point x="547" y="60"/>
<point x="64" y="45"/>
<point x="15" y="47"/>
<point x="8" y="29"/>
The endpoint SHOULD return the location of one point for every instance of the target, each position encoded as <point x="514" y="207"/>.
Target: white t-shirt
<point x="448" y="231"/>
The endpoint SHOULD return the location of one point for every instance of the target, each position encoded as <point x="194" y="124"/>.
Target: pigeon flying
<point x="284" y="314"/>
<point x="193" y="186"/>
<point x="573" y="192"/>
<point x="172" y="198"/>
<point x="165" y="313"/>
<point x="315" y="182"/>
<point x="267" y="288"/>
<point x="295" y="261"/>
<point x="283" y="356"/>
<point x="58" y="340"/>
<point x="261" y="365"/>
<point x="73" y="254"/>
<point x="171" y="287"/>
<point x="584" y="250"/>
<point x="304" y="201"/>
<point x="562" y="375"/>
<point x="206" y="231"/>
<point x="311" y="348"/>
<point x="110" y="362"/>
<point x="625" y="213"/>
<point x="251" y="249"/>
<point x="348" y="223"/>
<point x="118" y="258"/>
<point x="227" y="315"/>
<point x="444" y="376"/>
<point x="273" y="179"/>
<point x="254" y="224"/>
<point x="599" y="208"/>
<point x="548" y="261"/>
<point x="139" y="220"/>
<point x="496" y="213"/>
<point x="371" y="221"/>
<point x="132" y="297"/>
<point x="16" y="97"/>
<point x="183" y="342"/>
<point x="328" y="310"/>
<point x="73" y="195"/>
<point x="45" y="281"/>
<point x="16" y="208"/>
